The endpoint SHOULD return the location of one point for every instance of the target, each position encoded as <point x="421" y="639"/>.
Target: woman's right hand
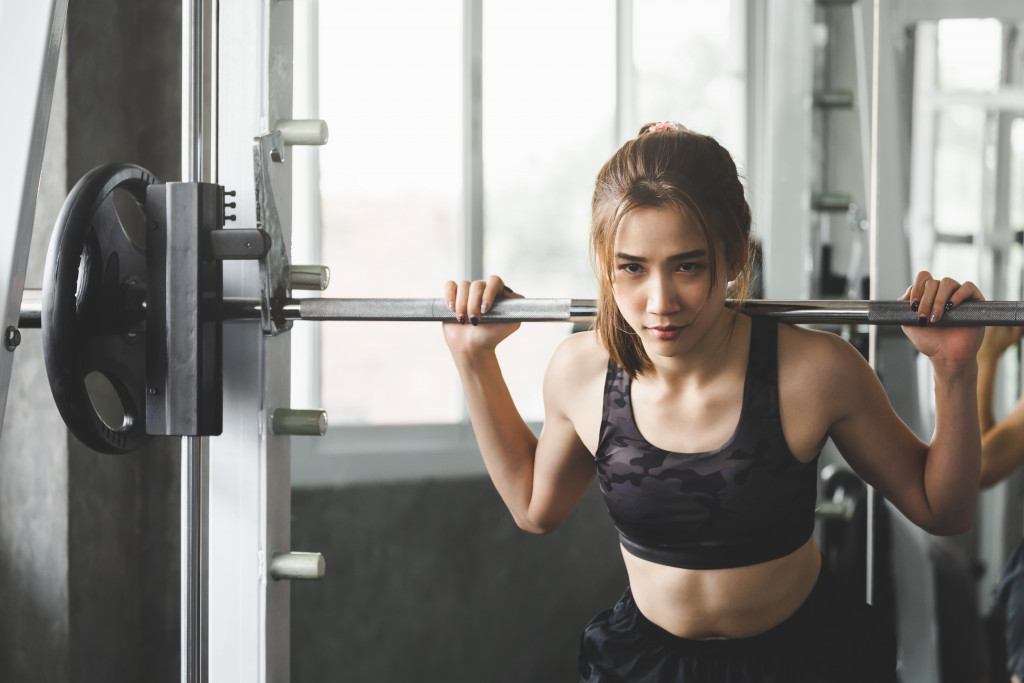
<point x="470" y="302"/>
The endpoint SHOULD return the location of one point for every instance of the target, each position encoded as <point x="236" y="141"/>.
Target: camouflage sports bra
<point x="747" y="502"/>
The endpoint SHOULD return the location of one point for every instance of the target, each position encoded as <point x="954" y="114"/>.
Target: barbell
<point x="821" y="311"/>
<point x="148" y="318"/>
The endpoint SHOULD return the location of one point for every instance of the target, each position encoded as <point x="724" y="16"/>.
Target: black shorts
<point x="832" y="638"/>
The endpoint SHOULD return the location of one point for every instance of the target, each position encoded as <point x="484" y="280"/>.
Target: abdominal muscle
<point x="738" y="602"/>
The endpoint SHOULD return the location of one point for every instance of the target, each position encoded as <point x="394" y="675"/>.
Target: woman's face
<point x="662" y="283"/>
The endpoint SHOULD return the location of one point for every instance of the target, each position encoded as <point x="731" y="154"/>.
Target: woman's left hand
<point x="930" y="299"/>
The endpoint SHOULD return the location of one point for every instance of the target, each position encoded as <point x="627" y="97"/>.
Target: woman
<point x="704" y="424"/>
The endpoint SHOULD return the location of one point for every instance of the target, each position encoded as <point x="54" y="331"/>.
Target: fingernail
<point x="483" y="307"/>
<point x="949" y="305"/>
<point x="914" y="304"/>
<point x="474" y="321"/>
<point x="461" y="318"/>
<point x="451" y="306"/>
<point x="935" y="316"/>
<point x="922" y="321"/>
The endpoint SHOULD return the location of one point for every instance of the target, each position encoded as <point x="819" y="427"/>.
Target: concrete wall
<point x="433" y="582"/>
<point x="124" y="77"/>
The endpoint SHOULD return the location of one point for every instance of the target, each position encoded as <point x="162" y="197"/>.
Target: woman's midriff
<point x="738" y="602"/>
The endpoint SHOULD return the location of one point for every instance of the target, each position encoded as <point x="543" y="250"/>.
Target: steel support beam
<point x="249" y="467"/>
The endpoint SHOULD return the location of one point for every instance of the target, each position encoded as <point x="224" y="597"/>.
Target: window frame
<point x="407" y="452"/>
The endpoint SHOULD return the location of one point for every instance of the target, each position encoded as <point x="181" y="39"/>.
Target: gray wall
<point x="433" y="582"/>
<point x="124" y="76"/>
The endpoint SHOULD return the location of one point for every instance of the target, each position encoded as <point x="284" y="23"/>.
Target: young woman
<point x="703" y="426"/>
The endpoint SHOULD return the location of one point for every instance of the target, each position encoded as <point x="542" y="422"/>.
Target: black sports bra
<point x="747" y="502"/>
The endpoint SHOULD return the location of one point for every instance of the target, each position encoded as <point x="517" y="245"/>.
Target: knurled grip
<point x="969" y="313"/>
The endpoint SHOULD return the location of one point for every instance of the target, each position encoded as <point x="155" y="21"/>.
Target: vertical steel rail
<point x="472" y="140"/>
<point x="625" y="81"/>
<point x="869" y="576"/>
<point x="191" y="446"/>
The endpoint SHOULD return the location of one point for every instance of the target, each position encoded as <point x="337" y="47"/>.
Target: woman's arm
<point x="540" y="480"/>
<point x="936" y="484"/>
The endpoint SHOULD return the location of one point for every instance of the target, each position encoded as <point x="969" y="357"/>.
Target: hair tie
<point x="667" y="125"/>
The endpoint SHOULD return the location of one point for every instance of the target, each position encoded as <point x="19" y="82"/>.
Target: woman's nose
<point x="661" y="297"/>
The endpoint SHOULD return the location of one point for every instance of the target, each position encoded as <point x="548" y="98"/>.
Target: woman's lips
<point x="665" y="332"/>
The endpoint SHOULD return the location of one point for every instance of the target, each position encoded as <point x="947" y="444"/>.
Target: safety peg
<point x="315" y="278"/>
<point x="303" y="131"/>
<point x="308" y="566"/>
<point x="288" y="421"/>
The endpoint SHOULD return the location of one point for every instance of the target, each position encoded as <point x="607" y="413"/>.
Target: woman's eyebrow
<point x="696" y="253"/>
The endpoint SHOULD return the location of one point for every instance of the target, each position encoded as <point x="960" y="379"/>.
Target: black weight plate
<point x="90" y="265"/>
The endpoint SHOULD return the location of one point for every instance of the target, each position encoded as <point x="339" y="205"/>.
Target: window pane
<point x="970" y="54"/>
<point x="1015" y="259"/>
<point x="390" y="178"/>
<point x="1017" y="175"/>
<point x="958" y="261"/>
<point x="959" y="170"/>
<point x="690" y="67"/>
<point x="549" y="106"/>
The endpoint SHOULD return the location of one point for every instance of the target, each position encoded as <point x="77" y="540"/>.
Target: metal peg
<point x="299" y="422"/>
<point x="834" y="509"/>
<point x="310" y="277"/>
<point x="832" y="201"/>
<point x="308" y="566"/>
<point x="303" y="131"/>
<point x="833" y="99"/>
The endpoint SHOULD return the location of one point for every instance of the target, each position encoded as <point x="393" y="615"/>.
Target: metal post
<point x="191" y="446"/>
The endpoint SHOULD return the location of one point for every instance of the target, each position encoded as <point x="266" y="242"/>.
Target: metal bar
<point x="827" y="311"/>
<point x="192" y="617"/>
<point x="191" y="562"/>
<point x="192" y="92"/>
<point x="969" y="313"/>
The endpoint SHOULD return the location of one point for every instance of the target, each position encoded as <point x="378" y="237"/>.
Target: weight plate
<point x="93" y="286"/>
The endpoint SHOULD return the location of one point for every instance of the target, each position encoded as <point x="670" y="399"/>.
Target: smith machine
<point x="156" y="321"/>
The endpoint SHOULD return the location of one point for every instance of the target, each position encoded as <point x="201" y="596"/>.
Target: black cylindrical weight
<point x="94" y="273"/>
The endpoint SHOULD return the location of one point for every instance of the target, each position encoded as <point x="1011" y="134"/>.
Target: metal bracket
<point x="275" y="285"/>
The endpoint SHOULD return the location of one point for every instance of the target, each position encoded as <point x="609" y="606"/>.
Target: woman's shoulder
<point x="578" y="358"/>
<point x="811" y="355"/>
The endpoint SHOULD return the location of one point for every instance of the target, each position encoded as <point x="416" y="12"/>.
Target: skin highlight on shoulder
<point x="574" y="385"/>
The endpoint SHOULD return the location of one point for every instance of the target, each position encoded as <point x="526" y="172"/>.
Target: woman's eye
<point x="689" y="267"/>
<point x="631" y="268"/>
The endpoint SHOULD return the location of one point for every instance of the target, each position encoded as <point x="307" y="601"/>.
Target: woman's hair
<point x="674" y="168"/>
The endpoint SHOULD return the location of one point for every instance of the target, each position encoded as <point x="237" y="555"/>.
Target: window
<point x="966" y="164"/>
<point x="395" y="202"/>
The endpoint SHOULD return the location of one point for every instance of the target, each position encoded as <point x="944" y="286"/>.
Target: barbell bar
<point x="826" y="311"/>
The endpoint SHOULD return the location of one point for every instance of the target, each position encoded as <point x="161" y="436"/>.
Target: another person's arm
<point x="1002" y="443"/>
